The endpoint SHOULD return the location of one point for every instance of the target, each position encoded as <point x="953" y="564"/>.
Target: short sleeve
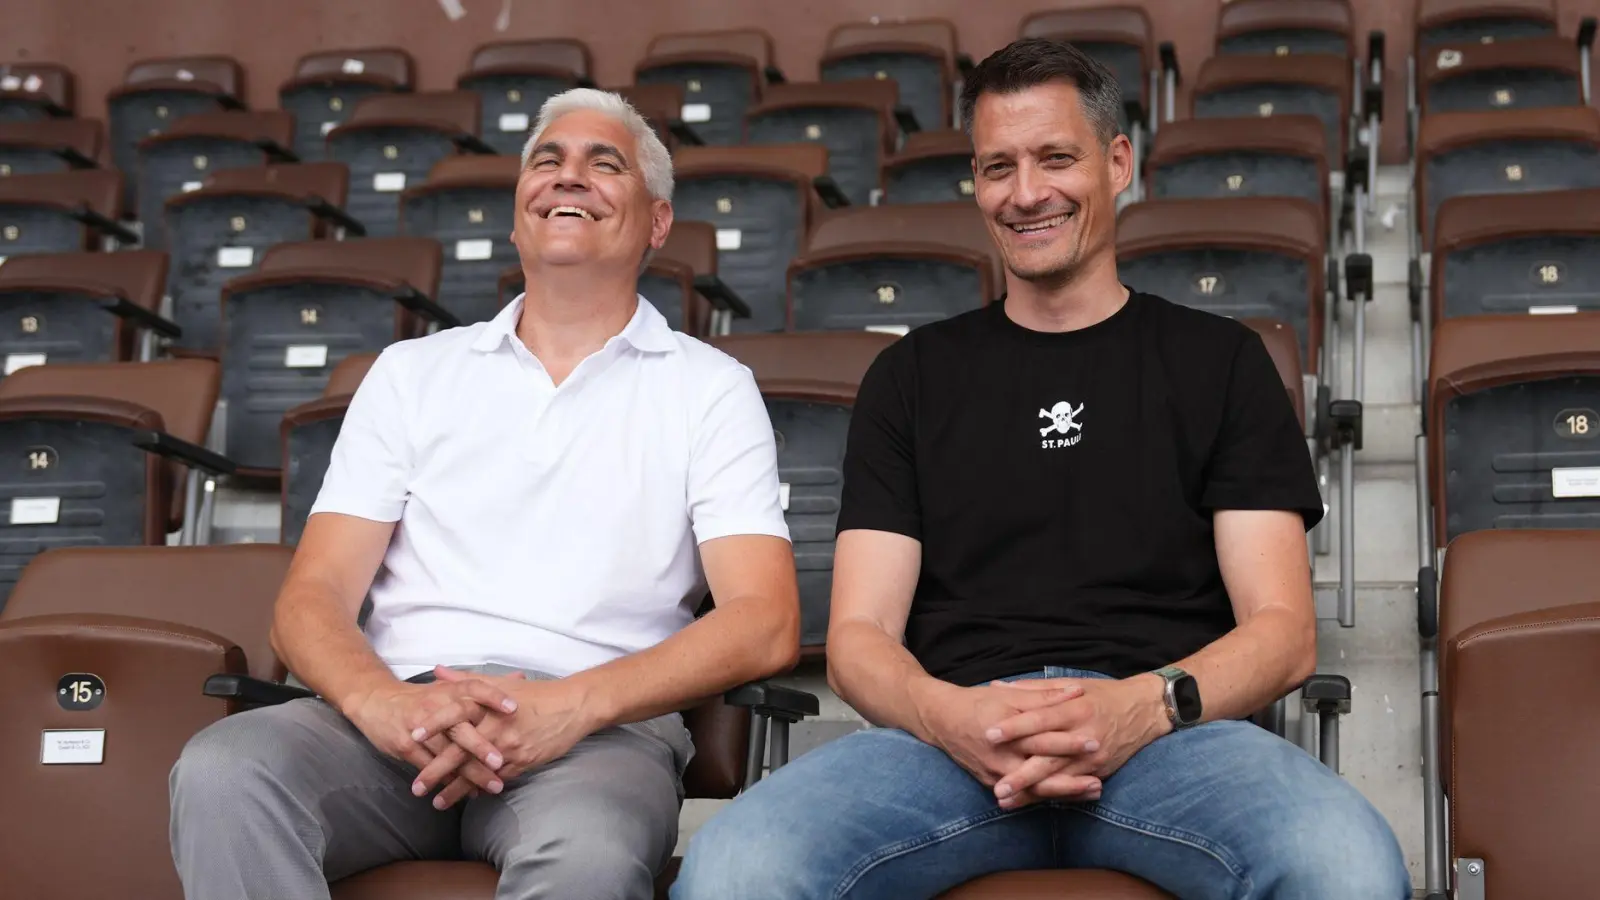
<point x="370" y="469"/>
<point x="733" y="464"/>
<point x="1260" y="459"/>
<point x="880" y="469"/>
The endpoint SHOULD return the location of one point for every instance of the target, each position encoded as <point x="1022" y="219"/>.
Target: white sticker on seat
<point x="695" y="112"/>
<point x="235" y="257"/>
<point x="479" y="248"/>
<point x="729" y="238"/>
<point x="353" y="67"/>
<point x="389" y="182"/>
<point x="901" y="330"/>
<point x="10" y="83"/>
<point x="74" y="747"/>
<point x="35" y="510"/>
<point x="185" y="75"/>
<point x="15" y="361"/>
<point x="32" y="84"/>
<point x="1551" y="310"/>
<point x="191" y="186"/>
<point x="328" y="126"/>
<point x="783" y="495"/>
<point x="1575" y="482"/>
<point x="516" y="122"/>
<point x="305" y="356"/>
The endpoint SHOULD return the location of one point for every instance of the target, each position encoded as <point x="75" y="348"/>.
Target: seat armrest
<point x="251" y="691"/>
<point x="1326" y="694"/>
<point x="276" y="152"/>
<point x="829" y="191"/>
<point x="104" y="225"/>
<point x="418" y="302"/>
<point x="685" y="134"/>
<point x="472" y="144"/>
<point x="322" y="209"/>
<point x="773" y="701"/>
<point x="124" y="308"/>
<point x="192" y="455"/>
<point x="721" y="296"/>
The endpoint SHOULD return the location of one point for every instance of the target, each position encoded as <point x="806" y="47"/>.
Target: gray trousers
<point x="278" y="802"/>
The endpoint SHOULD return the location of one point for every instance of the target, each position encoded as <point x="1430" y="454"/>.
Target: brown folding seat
<point x="104" y="652"/>
<point x="919" y="55"/>
<point x="1519" y="633"/>
<point x="1244" y="86"/>
<point x="1284" y="348"/>
<point x="156" y="93"/>
<point x="722" y="73"/>
<point x="35" y="91"/>
<point x="1461" y="22"/>
<point x="809" y="382"/>
<point x="892" y="268"/>
<point x="178" y="160"/>
<point x="308" y="306"/>
<point x="1504" y="152"/>
<point x="1527" y="73"/>
<point x="930" y="167"/>
<point x="1121" y="38"/>
<point x="1082" y="884"/>
<point x="308" y="433"/>
<point x="662" y="106"/>
<point x="33" y="146"/>
<point x="1286" y="27"/>
<point x="61" y="211"/>
<point x="1281" y="156"/>
<point x="327" y="84"/>
<point x="1516" y="253"/>
<point x="762" y="201"/>
<point x="392" y="141"/>
<point x="80" y="307"/>
<point x="220" y="231"/>
<point x="855" y="120"/>
<point x="513" y="79"/>
<point x="468" y="204"/>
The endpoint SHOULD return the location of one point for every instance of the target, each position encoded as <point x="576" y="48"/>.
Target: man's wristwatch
<point x="1182" y="697"/>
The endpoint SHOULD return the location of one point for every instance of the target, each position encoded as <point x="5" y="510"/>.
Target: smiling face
<point x="1045" y="183"/>
<point x="582" y="197"/>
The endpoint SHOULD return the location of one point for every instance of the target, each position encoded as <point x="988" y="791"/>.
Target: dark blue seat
<point x="514" y="78"/>
<point x="61" y="212"/>
<point x="80" y="307"/>
<point x="327" y="84"/>
<point x="179" y="160"/>
<point x="37" y="146"/>
<point x="155" y="94"/>
<point x="722" y="74"/>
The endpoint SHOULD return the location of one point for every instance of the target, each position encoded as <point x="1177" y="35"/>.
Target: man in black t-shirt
<point x="1071" y="562"/>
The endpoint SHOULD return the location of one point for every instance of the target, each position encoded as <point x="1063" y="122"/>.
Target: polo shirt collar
<point x="647" y="331"/>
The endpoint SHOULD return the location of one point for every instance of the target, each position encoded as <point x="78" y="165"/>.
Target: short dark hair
<point x="1030" y="62"/>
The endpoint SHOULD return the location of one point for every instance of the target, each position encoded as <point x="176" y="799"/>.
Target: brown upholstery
<point x="1098" y="24"/>
<point x="82" y="135"/>
<point x="852" y="38"/>
<point x="920" y="145"/>
<point x="1301" y="136"/>
<point x="1245" y="16"/>
<point x="48" y="81"/>
<point x="511" y="284"/>
<point x="421" y="881"/>
<point x="205" y="74"/>
<point x="1551" y="53"/>
<point x="561" y="57"/>
<point x="858" y="93"/>
<point x="99" y="189"/>
<point x="799" y="161"/>
<point x="660" y="104"/>
<point x="1434" y="13"/>
<point x="138" y="276"/>
<point x="452" y="112"/>
<point x="694" y="244"/>
<point x="811" y="362"/>
<point x="328" y="180"/>
<point x="1083" y="884"/>
<point x="388" y="67"/>
<point x="752" y="43"/>
<point x="1473" y="353"/>
<point x="470" y="171"/>
<point x="273" y="125"/>
<point x="1473" y="219"/>
<point x="1322" y="71"/>
<point x="1285" y="351"/>
<point x="348" y="374"/>
<point x="392" y="260"/>
<point x="955" y="223"/>
<point x="1519" y="640"/>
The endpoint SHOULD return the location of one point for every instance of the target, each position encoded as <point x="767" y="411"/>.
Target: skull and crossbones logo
<point x="1063" y="418"/>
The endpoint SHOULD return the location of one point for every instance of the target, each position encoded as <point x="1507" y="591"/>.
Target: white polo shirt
<point x="544" y="527"/>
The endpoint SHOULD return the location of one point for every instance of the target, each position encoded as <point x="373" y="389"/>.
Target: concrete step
<point x="1385" y="529"/>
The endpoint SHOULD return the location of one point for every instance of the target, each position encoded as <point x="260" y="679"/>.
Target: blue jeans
<point x="1224" y="810"/>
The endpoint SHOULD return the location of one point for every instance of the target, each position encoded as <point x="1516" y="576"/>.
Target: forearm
<point x="320" y="643"/>
<point x="1253" y="665"/>
<point x="879" y="677"/>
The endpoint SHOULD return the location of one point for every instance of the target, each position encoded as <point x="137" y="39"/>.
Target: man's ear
<point x="660" y="222"/>
<point x="1119" y="156"/>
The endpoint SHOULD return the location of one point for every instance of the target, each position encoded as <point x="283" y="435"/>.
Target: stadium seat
<point x="662" y="106"/>
<point x="762" y="201"/>
<point x="48" y="145"/>
<point x="918" y="55"/>
<point x="892" y="268"/>
<point x="514" y="78"/>
<point x="178" y="160"/>
<point x="1120" y="37"/>
<point x="1513" y="424"/>
<point x="308" y="433"/>
<point x="1507" y="151"/>
<point x="221" y="230"/>
<point x="392" y="141"/>
<point x="103" y="652"/>
<point x="1315" y="84"/>
<point x="1281" y="156"/>
<point x="156" y="93"/>
<point x="930" y="167"/>
<point x="468" y="204"/>
<point x="1284" y="348"/>
<point x="327" y="84"/>
<point x="809" y="382"/>
<point x="308" y="306"/>
<point x="855" y="120"/>
<point x="722" y="73"/>
<point x="1285" y="27"/>
<point x="1519" y="629"/>
<point x="1528" y="73"/>
<point x="1516" y="253"/>
<point x="81" y="307"/>
<point x="35" y="91"/>
<point x="1462" y="22"/>
<point x="61" y="212"/>
<point x="1089" y="884"/>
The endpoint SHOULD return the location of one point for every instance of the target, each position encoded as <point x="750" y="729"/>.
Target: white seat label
<point x="353" y="67"/>
<point x="479" y="248"/>
<point x="190" y="186"/>
<point x="729" y="238"/>
<point x="76" y="747"/>
<point x="695" y="112"/>
<point x="305" y="356"/>
<point x="901" y="330"/>
<point x="185" y="75"/>
<point x="389" y="182"/>
<point x="10" y="83"/>
<point x="1565" y="483"/>
<point x="235" y="257"/>
<point x="15" y="361"/>
<point x="783" y="495"/>
<point x="1551" y="310"/>
<point x="513" y="121"/>
<point x="328" y="126"/>
<point x="35" y="510"/>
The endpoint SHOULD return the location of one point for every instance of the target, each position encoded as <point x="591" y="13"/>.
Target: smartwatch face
<point x="1186" y="694"/>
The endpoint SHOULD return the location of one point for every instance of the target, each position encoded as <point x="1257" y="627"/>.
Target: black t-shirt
<point x="1062" y="484"/>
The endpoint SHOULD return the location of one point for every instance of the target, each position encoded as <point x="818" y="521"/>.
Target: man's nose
<point x="1031" y="190"/>
<point x="574" y="175"/>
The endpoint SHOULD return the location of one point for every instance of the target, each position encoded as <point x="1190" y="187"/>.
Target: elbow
<point x="782" y="649"/>
<point x="1303" y="664"/>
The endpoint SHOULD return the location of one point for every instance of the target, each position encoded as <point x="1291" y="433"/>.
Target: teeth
<point x="1041" y="226"/>
<point x="569" y="209"/>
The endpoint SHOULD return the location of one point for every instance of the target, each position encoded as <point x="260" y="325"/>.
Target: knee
<point x="1343" y="852"/>
<point x="731" y="858"/>
<point x="219" y="766"/>
<point x="587" y="867"/>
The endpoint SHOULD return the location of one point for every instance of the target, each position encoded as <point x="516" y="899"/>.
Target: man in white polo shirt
<point x="536" y="506"/>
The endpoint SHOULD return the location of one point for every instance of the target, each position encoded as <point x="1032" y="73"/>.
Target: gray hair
<point x="1029" y="62"/>
<point x="654" y="161"/>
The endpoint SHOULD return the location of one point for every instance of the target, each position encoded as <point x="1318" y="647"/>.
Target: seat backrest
<point x="211" y="74"/>
<point x="1244" y="85"/>
<point x="35" y="210"/>
<point x="957" y="224"/>
<point x="454" y="112"/>
<point x="753" y="43"/>
<point x="661" y="104"/>
<point x="1516" y="253"/>
<point x="1285" y="27"/>
<point x="918" y="55"/>
<point x="839" y="359"/>
<point x="938" y="35"/>
<point x="798" y="161"/>
<point x="566" y="57"/>
<point x="388" y="67"/>
<point x="493" y="172"/>
<point x="1534" y="72"/>
<point x="1441" y="22"/>
<point x="400" y="260"/>
<point x="853" y="119"/>
<point x="1285" y="351"/>
<point x="878" y="96"/>
<point x="930" y="167"/>
<point x="35" y="82"/>
<point x="693" y="244"/>
<point x="1281" y="156"/>
<point x="139" y="276"/>
<point x="269" y="124"/>
<point x="348" y="374"/>
<point x="183" y="391"/>
<point x="82" y="135"/>
<point x="327" y="180"/>
<point x="1120" y="37"/>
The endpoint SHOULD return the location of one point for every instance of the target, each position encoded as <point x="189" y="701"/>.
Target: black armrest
<point x="1326" y="694"/>
<point x="1427" y="603"/>
<point x="192" y="455"/>
<point x="253" y="691"/>
<point x="964" y="64"/>
<point x="322" y="209"/>
<point x="585" y="81"/>
<point x="774" y="75"/>
<point x="1169" y="61"/>
<point x="138" y="315"/>
<point x="276" y="152"/>
<point x="228" y="101"/>
<point x="773" y="701"/>
<point x="721" y="296"/>
<point x="1358" y="276"/>
<point x="1414" y="291"/>
<point x="906" y="119"/>
<point x="1377" y="44"/>
<point x="1134" y="110"/>
<point x="1586" y="33"/>
<point x="418" y="302"/>
<point x="1333" y="277"/>
<point x="472" y="144"/>
<point x="828" y="190"/>
<point x="100" y="223"/>
<point x="75" y="159"/>
<point x="1344" y="422"/>
<point x="1356" y="172"/>
<point x="685" y="135"/>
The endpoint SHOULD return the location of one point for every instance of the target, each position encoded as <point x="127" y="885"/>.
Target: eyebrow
<point x="592" y="151"/>
<point x="1066" y="147"/>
